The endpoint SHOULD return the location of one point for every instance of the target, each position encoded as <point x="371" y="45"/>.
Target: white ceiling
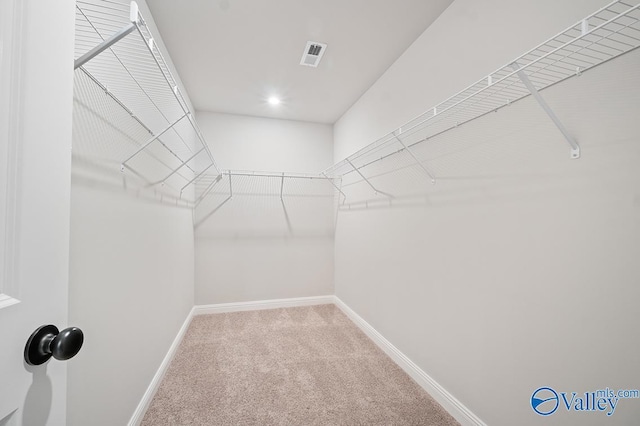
<point x="233" y="54"/>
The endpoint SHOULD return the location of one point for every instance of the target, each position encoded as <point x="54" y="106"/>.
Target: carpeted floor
<point x="293" y="366"/>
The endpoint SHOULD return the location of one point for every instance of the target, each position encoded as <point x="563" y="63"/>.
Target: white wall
<point x="518" y="269"/>
<point x="255" y="246"/>
<point x="131" y="290"/>
<point x="131" y="277"/>
<point x="264" y="144"/>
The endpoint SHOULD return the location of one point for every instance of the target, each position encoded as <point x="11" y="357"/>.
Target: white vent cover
<point x="312" y="54"/>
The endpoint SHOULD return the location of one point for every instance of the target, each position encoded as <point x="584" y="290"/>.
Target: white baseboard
<point x="461" y="413"/>
<point x="142" y="407"/>
<point x="263" y="304"/>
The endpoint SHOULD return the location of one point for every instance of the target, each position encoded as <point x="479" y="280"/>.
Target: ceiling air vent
<point x="312" y="54"/>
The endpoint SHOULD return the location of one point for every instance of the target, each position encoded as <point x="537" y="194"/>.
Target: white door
<point x="36" y="90"/>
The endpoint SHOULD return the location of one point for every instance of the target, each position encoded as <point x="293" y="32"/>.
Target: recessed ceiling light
<point x="273" y="100"/>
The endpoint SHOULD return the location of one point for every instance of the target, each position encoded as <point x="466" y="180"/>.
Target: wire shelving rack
<point x="118" y="56"/>
<point x="131" y="114"/>
<point x="119" y="65"/>
<point x="600" y="37"/>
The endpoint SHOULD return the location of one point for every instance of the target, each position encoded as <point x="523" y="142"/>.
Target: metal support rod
<point x="230" y="187"/>
<point x="196" y="177"/>
<point x="335" y="186"/>
<point x="575" y="149"/>
<point x="282" y="186"/>
<point x="433" y="180"/>
<point x="174" y="171"/>
<point x="362" y="176"/>
<point x="104" y="46"/>
<point x="150" y="141"/>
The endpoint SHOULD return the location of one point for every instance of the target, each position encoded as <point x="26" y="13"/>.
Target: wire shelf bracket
<point x="575" y="148"/>
<point x="376" y="190"/>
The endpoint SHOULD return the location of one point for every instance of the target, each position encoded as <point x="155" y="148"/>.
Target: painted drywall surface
<point x="131" y="290"/>
<point x="518" y="269"/>
<point x="265" y="144"/>
<point x="131" y="269"/>
<point x="258" y="246"/>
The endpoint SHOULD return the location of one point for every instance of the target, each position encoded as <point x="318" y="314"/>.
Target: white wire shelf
<point x="260" y="183"/>
<point x="604" y="35"/>
<point x="131" y="116"/>
<point x="158" y="142"/>
<point x="285" y="189"/>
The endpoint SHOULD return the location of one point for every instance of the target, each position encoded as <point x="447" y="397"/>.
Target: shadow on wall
<point x="9" y="420"/>
<point x="516" y="153"/>
<point x="104" y="177"/>
<point x="571" y="179"/>
<point x="260" y="207"/>
<point x="108" y="150"/>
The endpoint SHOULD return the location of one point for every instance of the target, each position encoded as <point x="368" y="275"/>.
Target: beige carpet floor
<point x="294" y="366"/>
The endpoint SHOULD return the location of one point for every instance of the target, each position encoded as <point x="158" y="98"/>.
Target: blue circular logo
<point x="545" y="401"/>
